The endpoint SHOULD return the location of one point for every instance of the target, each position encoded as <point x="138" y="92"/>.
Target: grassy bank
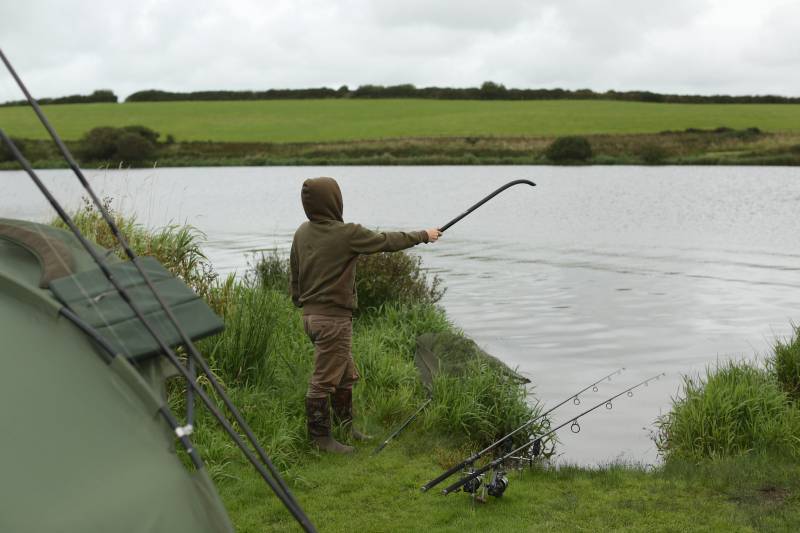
<point x="718" y="475"/>
<point x="726" y="147"/>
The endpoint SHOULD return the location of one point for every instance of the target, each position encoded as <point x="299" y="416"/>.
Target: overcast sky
<point x="681" y="46"/>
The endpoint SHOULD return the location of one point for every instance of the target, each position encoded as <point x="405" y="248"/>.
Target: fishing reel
<point x="498" y="485"/>
<point x="495" y="487"/>
<point x="472" y="485"/>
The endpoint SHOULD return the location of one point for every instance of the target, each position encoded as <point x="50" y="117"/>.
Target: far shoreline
<point x="720" y="146"/>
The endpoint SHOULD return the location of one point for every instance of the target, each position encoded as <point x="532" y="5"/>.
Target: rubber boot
<point x="343" y="413"/>
<point x="319" y="426"/>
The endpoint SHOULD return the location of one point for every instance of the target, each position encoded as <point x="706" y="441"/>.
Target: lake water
<point x="654" y="269"/>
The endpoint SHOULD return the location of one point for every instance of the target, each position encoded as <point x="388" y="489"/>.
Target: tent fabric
<point x="84" y="447"/>
<point x="54" y="258"/>
<point x="450" y="353"/>
<point x="92" y="297"/>
<point x="79" y="259"/>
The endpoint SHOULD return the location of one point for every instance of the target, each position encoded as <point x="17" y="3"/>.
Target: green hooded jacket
<point x="325" y="250"/>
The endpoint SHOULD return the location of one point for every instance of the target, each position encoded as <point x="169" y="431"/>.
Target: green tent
<point x="82" y="445"/>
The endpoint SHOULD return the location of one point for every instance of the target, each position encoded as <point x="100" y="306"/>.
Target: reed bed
<point x="785" y="365"/>
<point x="737" y="409"/>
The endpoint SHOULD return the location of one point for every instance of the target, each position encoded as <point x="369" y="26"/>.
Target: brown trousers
<point x="334" y="367"/>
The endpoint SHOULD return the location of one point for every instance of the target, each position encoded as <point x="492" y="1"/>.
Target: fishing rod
<point x="181" y="432"/>
<point x="486" y="199"/>
<point x="279" y="486"/>
<point x="500" y="480"/>
<point x="470" y="460"/>
<point x="396" y="432"/>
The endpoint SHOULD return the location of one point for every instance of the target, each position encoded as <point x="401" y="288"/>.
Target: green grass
<point x="738" y="409"/>
<point x="339" y="120"/>
<point x="381" y="493"/>
<point x="785" y="365"/>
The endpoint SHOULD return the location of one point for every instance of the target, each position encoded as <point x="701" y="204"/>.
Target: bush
<point x="131" y="143"/>
<point x="569" y="149"/>
<point x="99" y="144"/>
<point x="133" y="147"/>
<point x="737" y="410"/>
<point x="143" y="131"/>
<point x="271" y="271"/>
<point x="652" y="153"/>
<point x="785" y="365"/>
<point x="5" y="152"/>
<point x="394" y="277"/>
<point x="381" y="279"/>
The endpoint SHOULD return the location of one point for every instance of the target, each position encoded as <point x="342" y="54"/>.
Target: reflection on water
<point x="651" y="269"/>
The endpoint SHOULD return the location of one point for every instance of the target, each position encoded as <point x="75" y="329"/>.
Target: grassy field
<point x="283" y="121"/>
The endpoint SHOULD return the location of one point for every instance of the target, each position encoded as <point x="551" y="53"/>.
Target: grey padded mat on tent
<point x="92" y="297"/>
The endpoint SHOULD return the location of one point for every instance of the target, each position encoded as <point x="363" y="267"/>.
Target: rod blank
<point x="486" y="199"/>
<point x="396" y="432"/>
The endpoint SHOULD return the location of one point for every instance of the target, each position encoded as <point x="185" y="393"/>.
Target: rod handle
<point x="466" y="479"/>
<point x="435" y="481"/>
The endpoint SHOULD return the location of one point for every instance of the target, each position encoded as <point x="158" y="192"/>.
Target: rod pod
<point x="471" y="459"/>
<point x="572" y="422"/>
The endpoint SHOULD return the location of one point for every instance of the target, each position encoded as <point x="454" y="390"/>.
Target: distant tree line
<point x="154" y="95"/>
<point x="487" y="91"/>
<point x="100" y="95"/>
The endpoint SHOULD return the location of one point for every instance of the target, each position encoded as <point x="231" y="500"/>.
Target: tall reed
<point x="785" y="365"/>
<point x="737" y="409"/>
<point x="177" y="247"/>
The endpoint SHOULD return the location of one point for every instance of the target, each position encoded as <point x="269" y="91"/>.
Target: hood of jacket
<point x="322" y="199"/>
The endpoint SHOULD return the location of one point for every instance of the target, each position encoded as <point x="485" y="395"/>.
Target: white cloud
<point x="712" y="46"/>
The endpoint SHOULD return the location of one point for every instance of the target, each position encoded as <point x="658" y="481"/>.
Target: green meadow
<point x="290" y="121"/>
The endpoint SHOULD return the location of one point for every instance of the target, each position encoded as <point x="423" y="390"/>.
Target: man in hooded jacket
<point x="323" y="271"/>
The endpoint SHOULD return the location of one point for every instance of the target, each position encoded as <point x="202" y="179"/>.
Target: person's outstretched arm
<point x="365" y="241"/>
